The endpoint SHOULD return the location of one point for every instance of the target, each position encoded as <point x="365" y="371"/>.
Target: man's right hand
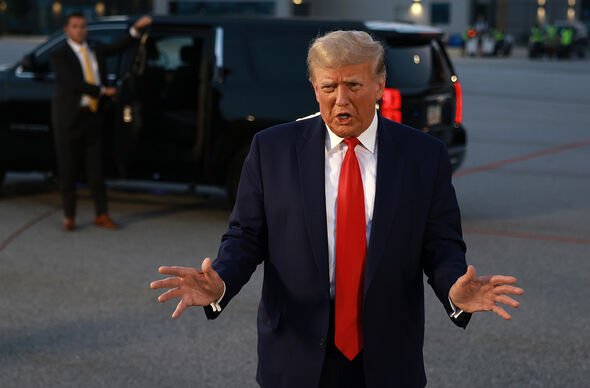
<point x="109" y="91"/>
<point x="194" y="288"/>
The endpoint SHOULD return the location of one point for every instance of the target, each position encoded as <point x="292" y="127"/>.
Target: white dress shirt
<point x="77" y="48"/>
<point x="366" y="153"/>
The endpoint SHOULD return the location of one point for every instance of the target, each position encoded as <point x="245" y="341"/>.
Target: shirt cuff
<point x="215" y="305"/>
<point x="456" y="312"/>
<point x="133" y="32"/>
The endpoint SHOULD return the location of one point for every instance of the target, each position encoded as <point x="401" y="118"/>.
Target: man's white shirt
<point x="366" y="153"/>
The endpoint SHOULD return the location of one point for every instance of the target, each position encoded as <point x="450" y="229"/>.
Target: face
<point x="76" y="29"/>
<point x="347" y="97"/>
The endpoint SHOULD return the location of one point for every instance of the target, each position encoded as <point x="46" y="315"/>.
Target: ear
<point x="381" y="87"/>
<point x="316" y="90"/>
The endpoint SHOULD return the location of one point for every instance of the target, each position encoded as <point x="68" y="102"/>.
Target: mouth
<point x="343" y="118"/>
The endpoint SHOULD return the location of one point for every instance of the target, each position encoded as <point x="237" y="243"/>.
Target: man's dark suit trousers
<point x="78" y="145"/>
<point x="338" y="371"/>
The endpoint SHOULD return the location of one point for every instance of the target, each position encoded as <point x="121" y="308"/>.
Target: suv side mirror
<point x="28" y="63"/>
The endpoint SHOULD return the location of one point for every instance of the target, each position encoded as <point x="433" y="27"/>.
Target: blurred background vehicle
<point x="488" y="42"/>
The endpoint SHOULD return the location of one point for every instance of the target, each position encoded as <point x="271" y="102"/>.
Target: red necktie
<point x="351" y="247"/>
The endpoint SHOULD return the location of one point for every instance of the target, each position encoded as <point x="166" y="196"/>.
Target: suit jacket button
<point x="322" y="342"/>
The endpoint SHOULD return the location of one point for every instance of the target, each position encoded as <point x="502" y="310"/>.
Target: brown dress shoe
<point x="69" y="224"/>
<point x="104" y="221"/>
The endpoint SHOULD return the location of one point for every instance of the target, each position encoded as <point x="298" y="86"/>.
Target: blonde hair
<point x="344" y="48"/>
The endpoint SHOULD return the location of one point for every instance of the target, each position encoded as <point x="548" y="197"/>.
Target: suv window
<point x="167" y="52"/>
<point x="415" y="67"/>
<point x="99" y="36"/>
<point x="269" y="66"/>
<point x="252" y="57"/>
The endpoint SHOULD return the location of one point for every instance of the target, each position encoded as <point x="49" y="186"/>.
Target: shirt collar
<point x="76" y="46"/>
<point x="367" y="138"/>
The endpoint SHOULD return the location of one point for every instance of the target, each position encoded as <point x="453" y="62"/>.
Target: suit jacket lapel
<point x="75" y="62"/>
<point x="311" y="163"/>
<point x="390" y="168"/>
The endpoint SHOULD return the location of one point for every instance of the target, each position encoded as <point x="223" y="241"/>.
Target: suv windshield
<point x="415" y="67"/>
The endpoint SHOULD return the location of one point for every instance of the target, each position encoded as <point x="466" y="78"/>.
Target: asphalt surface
<point x="76" y="310"/>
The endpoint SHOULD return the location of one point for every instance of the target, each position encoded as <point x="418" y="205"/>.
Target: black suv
<point x="193" y="91"/>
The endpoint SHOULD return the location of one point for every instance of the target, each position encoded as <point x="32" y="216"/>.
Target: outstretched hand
<point x="194" y="288"/>
<point x="471" y="293"/>
<point x="143" y="22"/>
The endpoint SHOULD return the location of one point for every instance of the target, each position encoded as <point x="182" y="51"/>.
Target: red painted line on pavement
<point x="537" y="154"/>
<point x="4" y="243"/>
<point x="527" y="236"/>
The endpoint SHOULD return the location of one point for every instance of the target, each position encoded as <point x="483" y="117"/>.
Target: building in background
<point x="515" y="17"/>
<point x="46" y="16"/>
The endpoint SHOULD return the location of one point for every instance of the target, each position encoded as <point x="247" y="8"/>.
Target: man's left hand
<point x="471" y="293"/>
<point x="142" y="22"/>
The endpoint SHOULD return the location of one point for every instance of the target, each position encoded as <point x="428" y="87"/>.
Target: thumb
<point x="469" y="275"/>
<point x="206" y="266"/>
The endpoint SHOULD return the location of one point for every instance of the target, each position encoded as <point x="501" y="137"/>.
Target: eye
<point x="328" y="88"/>
<point x="354" y="86"/>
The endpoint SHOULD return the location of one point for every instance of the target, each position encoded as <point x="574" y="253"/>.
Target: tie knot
<point x="352" y="142"/>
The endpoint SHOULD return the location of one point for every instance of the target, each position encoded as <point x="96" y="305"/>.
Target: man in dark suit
<point x="347" y="210"/>
<point x="77" y="113"/>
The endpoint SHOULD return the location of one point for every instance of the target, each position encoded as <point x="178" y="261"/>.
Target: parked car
<point x="193" y="92"/>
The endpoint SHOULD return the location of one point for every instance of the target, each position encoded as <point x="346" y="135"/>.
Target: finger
<point x="469" y="276"/>
<point x="180" y="307"/>
<point x="165" y="283"/>
<point x="501" y="312"/>
<point x="508" y="301"/>
<point x="509" y="290"/>
<point x="176" y="271"/>
<point x="170" y="294"/>
<point x="501" y="279"/>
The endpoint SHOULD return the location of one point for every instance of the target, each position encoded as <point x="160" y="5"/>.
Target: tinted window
<point x="170" y="52"/>
<point x="267" y="55"/>
<point x="96" y="36"/>
<point x="440" y="13"/>
<point x="287" y="67"/>
<point x="419" y="66"/>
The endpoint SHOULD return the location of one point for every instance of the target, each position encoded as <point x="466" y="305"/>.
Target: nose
<point x="341" y="96"/>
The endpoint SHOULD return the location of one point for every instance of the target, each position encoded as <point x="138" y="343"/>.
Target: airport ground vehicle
<point x="487" y="43"/>
<point x="193" y="92"/>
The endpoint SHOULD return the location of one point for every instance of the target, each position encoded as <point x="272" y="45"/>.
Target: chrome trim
<point x="219" y="53"/>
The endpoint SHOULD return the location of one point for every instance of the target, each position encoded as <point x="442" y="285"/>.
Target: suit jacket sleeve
<point x="243" y="246"/>
<point x="444" y="250"/>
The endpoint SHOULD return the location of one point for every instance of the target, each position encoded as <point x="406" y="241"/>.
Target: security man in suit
<point x="77" y="113"/>
<point x="347" y="210"/>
